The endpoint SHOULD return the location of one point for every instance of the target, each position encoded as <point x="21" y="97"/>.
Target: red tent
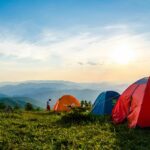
<point x="134" y="105"/>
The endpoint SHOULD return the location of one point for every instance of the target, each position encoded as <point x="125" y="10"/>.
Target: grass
<point x="42" y="130"/>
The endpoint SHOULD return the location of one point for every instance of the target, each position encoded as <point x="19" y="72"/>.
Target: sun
<point x="123" y="54"/>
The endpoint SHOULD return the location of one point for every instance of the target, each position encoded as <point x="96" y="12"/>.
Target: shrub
<point x="85" y="105"/>
<point x="29" y="107"/>
<point x="2" y="106"/>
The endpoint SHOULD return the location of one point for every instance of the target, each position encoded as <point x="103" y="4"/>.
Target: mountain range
<point x="38" y="92"/>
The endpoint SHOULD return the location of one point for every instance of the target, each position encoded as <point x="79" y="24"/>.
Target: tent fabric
<point x="65" y="103"/>
<point x="104" y="103"/>
<point x="134" y="104"/>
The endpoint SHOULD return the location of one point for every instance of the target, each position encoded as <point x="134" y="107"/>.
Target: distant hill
<point x="2" y="95"/>
<point x="19" y="101"/>
<point x="41" y="91"/>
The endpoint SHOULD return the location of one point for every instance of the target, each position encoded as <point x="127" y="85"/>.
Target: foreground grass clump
<point x="42" y="130"/>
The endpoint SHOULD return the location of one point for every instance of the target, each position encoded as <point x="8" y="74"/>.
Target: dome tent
<point x="65" y="103"/>
<point x="134" y="105"/>
<point x="104" y="103"/>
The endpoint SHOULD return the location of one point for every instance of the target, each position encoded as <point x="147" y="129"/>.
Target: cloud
<point x="92" y="63"/>
<point x="118" y="27"/>
<point x="81" y="63"/>
<point x="62" y="49"/>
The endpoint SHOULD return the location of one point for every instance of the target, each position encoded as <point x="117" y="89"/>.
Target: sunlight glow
<point x="123" y="54"/>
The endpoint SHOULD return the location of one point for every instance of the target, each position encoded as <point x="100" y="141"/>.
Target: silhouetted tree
<point x="2" y="106"/>
<point x="28" y="106"/>
<point x="86" y="103"/>
<point x="89" y="104"/>
<point x="82" y="103"/>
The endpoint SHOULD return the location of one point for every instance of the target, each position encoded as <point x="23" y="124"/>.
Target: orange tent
<point x="65" y="103"/>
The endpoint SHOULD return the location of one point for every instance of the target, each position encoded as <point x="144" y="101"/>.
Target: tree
<point x="89" y="104"/>
<point x="82" y="103"/>
<point x="2" y="106"/>
<point x="86" y="103"/>
<point x="28" y="106"/>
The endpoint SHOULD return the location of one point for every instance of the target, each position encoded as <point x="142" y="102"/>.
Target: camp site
<point x="75" y="124"/>
<point x="74" y="74"/>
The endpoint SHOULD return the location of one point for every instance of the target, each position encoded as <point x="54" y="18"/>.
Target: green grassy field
<point x="42" y="130"/>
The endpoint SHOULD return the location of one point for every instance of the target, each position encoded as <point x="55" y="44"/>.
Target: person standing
<point x="48" y="105"/>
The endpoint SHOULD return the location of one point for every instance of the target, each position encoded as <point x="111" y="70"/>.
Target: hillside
<point x="17" y="101"/>
<point x="2" y="95"/>
<point x="41" y="91"/>
<point x="42" y="130"/>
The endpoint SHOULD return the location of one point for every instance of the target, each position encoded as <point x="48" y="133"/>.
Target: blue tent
<point x="105" y="102"/>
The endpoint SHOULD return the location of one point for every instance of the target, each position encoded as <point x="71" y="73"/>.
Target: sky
<point x="75" y="40"/>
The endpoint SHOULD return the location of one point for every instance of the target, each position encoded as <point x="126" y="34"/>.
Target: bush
<point x="29" y="107"/>
<point x="2" y="106"/>
<point x="85" y="105"/>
